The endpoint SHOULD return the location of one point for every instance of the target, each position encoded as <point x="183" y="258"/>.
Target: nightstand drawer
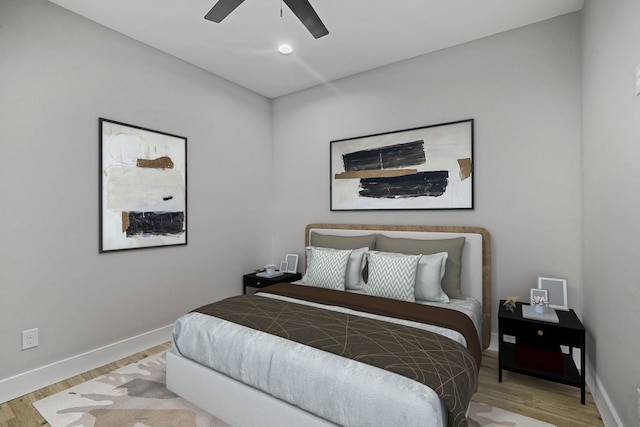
<point x="252" y="282"/>
<point x="255" y="281"/>
<point x="541" y="332"/>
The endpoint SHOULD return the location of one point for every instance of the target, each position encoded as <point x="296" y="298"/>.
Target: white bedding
<point x="306" y="377"/>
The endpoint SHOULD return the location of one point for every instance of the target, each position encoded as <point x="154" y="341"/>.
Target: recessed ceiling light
<point x="285" y="49"/>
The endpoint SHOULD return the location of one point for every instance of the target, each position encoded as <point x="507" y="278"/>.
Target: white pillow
<point x="327" y="269"/>
<point x="355" y="265"/>
<point x="429" y="276"/>
<point x="392" y="276"/>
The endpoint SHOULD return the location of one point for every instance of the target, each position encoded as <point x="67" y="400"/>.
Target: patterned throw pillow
<point x="429" y="275"/>
<point x="355" y="265"/>
<point x="392" y="276"/>
<point x="454" y="247"/>
<point x="328" y="269"/>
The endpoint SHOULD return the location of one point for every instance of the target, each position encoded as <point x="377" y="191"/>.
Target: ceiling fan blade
<point x="222" y="9"/>
<point x="309" y="18"/>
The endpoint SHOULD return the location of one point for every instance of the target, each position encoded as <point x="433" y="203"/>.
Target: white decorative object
<point x="270" y="275"/>
<point x="550" y="316"/>
<point x="292" y="263"/>
<point x="539" y="300"/>
<point x="270" y="269"/>
<point x="557" y="292"/>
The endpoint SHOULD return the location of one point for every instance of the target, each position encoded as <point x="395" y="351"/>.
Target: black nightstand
<point x="533" y="347"/>
<point x="252" y="282"/>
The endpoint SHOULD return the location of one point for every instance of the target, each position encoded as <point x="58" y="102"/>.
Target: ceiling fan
<point x="301" y="8"/>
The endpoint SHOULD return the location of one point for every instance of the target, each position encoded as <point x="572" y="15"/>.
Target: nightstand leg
<point x="583" y="370"/>
<point x="500" y="341"/>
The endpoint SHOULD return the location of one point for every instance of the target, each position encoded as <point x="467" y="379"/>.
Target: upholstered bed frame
<point x="476" y="255"/>
<point x="241" y="405"/>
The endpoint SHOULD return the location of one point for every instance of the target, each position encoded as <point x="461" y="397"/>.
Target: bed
<point x="229" y="359"/>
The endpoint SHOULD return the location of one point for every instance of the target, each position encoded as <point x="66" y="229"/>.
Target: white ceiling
<point x="363" y="34"/>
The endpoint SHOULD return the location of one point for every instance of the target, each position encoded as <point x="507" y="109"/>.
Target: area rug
<point x="136" y="396"/>
<point x="132" y="396"/>
<point x="482" y="415"/>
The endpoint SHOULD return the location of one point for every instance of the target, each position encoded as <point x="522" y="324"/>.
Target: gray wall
<point x="611" y="52"/>
<point x="522" y="88"/>
<point x="534" y="177"/>
<point x="59" y="73"/>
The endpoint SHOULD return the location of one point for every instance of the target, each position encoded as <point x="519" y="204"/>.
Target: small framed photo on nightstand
<point x="284" y="266"/>
<point x="557" y="291"/>
<point x="292" y="263"/>
<point x="539" y="293"/>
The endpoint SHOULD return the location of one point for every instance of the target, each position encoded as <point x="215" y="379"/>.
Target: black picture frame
<point x="429" y="167"/>
<point x="143" y="187"/>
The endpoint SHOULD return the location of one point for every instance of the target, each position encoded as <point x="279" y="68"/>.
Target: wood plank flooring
<point x="544" y="400"/>
<point x="20" y="412"/>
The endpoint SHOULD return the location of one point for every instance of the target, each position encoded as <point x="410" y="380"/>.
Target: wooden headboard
<point x="476" y="255"/>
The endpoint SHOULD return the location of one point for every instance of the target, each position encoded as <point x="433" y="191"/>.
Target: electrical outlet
<point x="29" y="338"/>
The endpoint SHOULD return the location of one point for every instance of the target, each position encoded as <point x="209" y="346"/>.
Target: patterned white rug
<point x="481" y="415"/>
<point x="136" y="396"/>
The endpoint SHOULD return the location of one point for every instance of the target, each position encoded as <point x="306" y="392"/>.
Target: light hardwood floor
<point x="544" y="400"/>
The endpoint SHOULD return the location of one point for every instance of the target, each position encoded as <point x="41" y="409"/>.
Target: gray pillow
<point x="453" y="267"/>
<point x="342" y="242"/>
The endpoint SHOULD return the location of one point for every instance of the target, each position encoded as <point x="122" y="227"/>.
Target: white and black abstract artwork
<point x="143" y="184"/>
<point x="421" y="168"/>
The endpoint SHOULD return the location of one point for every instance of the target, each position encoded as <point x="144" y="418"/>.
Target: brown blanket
<point x="436" y="361"/>
<point x="439" y="316"/>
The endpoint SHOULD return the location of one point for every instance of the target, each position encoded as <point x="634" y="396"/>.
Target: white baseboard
<point x="610" y="417"/>
<point x="35" y="379"/>
<point x="493" y="345"/>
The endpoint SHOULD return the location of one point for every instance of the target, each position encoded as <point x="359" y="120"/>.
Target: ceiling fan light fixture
<point x="301" y="8"/>
<point x="285" y="49"/>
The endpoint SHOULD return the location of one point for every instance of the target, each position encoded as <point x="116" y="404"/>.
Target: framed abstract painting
<point x="430" y="167"/>
<point x="143" y="187"/>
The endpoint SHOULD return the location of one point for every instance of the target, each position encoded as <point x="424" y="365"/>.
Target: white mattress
<point x="311" y="379"/>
